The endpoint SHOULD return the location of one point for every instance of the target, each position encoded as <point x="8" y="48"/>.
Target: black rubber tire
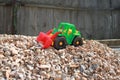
<point x="57" y="41"/>
<point x="79" y="40"/>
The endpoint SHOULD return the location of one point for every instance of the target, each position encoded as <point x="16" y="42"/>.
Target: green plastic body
<point x="68" y="31"/>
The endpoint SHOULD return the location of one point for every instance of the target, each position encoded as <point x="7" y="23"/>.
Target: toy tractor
<point x="65" y="34"/>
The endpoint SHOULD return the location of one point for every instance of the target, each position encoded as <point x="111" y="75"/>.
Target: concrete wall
<point x="96" y="19"/>
<point x="5" y="19"/>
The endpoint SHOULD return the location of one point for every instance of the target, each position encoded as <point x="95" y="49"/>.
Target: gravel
<point x="21" y="57"/>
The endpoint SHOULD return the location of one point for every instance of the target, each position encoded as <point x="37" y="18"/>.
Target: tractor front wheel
<point x="59" y="43"/>
<point x="77" y="41"/>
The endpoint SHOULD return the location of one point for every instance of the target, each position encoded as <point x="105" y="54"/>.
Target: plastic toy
<point x="65" y="34"/>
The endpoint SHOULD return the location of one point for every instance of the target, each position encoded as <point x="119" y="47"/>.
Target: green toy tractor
<point x="68" y="36"/>
<point x="65" y="34"/>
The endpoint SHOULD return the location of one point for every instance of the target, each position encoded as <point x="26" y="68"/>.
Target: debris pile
<point x="21" y="58"/>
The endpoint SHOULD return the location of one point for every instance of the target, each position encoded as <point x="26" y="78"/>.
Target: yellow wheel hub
<point x="77" y="42"/>
<point x="60" y="43"/>
<point x="52" y="43"/>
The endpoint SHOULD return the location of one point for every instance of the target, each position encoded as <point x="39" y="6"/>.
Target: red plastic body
<point x="46" y="38"/>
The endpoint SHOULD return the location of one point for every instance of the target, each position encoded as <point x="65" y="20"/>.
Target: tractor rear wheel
<point x="77" y="41"/>
<point x="59" y="43"/>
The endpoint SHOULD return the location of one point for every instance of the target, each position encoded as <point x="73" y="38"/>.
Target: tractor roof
<point x="66" y="25"/>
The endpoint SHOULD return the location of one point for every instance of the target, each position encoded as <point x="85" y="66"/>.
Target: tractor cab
<point x="68" y="31"/>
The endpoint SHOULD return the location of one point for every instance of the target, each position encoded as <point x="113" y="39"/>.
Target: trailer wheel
<point x="59" y="43"/>
<point x="77" y="41"/>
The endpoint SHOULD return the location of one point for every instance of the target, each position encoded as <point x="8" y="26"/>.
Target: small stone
<point x="7" y="53"/>
<point x="1" y="55"/>
<point x="118" y="72"/>
<point x="45" y="66"/>
<point x="74" y="65"/>
<point x="112" y="72"/>
<point x="72" y="78"/>
<point x="21" y="76"/>
<point x="7" y="74"/>
<point x="57" y="78"/>
<point x="1" y="52"/>
<point x="14" y="51"/>
<point x="82" y="68"/>
<point x="1" y="78"/>
<point x="93" y="67"/>
<point x="30" y="67"/>
<point x="83" y="78"/>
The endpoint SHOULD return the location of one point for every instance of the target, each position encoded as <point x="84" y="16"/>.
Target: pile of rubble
<point x="21" y="58"/>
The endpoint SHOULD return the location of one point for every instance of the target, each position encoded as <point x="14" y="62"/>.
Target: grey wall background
<point x="96" y="19"/>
